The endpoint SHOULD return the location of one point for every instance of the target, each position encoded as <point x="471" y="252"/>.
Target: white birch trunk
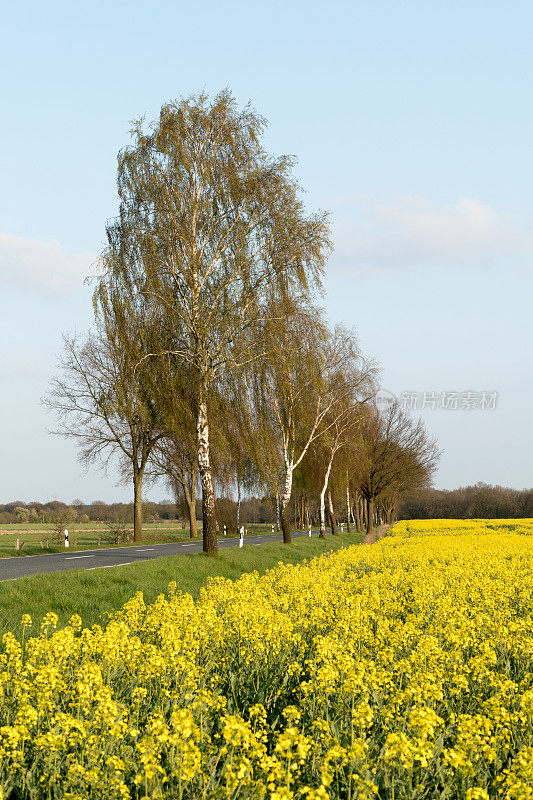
<point x="238" y="504"/>
<point x="286" y="496"/>
<point x="208" y="493"/>
<point x="323" y="501"/>
<point x="348" y="507"/>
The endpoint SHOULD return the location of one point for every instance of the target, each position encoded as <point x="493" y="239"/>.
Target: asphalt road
<point x="20" y="566"/>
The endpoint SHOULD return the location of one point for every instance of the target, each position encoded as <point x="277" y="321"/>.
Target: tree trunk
<point x="277" y="512"/>
<point x="358" y="520"/>
<point x="191" y="507"/>
<point x="137" y="507"/>
<point x="369" y="514"/>
<point x="322" y="534"/>
<point x="285" y="524"/>
<point x="331" y="514"/>
<point x="210" y="544"/>
<point x="347" y="508"/>
<point x="238" y="505"/>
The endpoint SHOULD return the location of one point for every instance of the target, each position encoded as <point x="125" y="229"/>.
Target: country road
<point x="21" y="566"/>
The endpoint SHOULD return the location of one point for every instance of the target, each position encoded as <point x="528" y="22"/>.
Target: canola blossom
<point x="397" y="670"/>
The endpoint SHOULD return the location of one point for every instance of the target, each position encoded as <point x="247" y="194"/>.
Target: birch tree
<point x="210" y="228"/>
<point x="335" y="441"/>
<point x="326" y="461"/>
<point x="302" y="385"/>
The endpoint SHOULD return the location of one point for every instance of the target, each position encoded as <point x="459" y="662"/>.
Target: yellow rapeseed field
<point x="398" y="670"/>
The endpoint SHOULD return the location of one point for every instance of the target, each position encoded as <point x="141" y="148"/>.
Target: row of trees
<point x="211" y="364"/>
<point x="80" y="513"/>
<point x="33" y="513"/>
<point x="253" y="510"/>
<point x="468" y="502"/>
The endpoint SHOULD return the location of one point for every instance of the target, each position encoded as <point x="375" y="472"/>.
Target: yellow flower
<point x="358" y="673"/>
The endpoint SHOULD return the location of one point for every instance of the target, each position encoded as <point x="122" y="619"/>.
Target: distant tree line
<point x="481" y="501"/>
<point x="253" y="510"/>
<point x="211" y="365"/>
<point x="78" y="512"/>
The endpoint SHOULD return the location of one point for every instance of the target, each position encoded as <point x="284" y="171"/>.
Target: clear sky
<point x="413" y="124"/>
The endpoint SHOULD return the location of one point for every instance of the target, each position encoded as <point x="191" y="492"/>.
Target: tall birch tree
<point x="210" y="228"/>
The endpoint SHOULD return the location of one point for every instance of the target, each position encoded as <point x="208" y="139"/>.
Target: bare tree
<point x="175" y="459"/>
<point x="104" y="403"/>
<point x="352" y="456"/>
<point x="117" y="525"/>
<point x="210" y="227"/>
<point x="60" y="520"/>
<point x="397" y="455"/>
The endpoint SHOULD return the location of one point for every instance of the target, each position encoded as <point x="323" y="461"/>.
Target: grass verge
<point x="95" y="594"/>
<point x="36" y="541"/>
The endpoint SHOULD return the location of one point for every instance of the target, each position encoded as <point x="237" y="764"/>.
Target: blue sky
<point x="412" y="123"/>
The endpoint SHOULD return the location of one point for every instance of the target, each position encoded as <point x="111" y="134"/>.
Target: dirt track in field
<point x="377" y="534"/>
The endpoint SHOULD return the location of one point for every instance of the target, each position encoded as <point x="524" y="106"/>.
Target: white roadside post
<point x="66" y="538"/>
<point x="342" y="527"/>
<point x="309" y="531"/>
<point x="241" y="539"/>
<point x="272" y="529"/>
<point x="225" y="533"/>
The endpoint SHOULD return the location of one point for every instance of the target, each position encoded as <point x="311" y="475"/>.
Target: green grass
<point x="13" y="527"/>
<point x="40" y="538"/>
<point x="35" y="543"/>
<point x="100" y="592"/>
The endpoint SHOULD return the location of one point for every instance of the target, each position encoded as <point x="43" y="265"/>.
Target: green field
<point x="172" y="524"/>
<point x="100" y="592"/>
<point x="41" y="538"/>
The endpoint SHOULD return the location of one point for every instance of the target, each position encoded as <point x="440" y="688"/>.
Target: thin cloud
<point x="409" y="230"/>
<point x="42" y="266"/>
